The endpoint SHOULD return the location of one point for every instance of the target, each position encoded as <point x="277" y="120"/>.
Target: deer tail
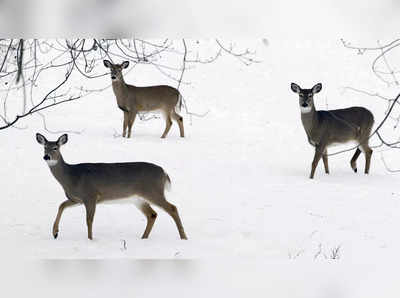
<point x="179" y="103"/>
<point x="167" y="182"/>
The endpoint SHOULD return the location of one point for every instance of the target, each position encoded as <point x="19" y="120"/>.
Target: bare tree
<point x="388" y="73"/>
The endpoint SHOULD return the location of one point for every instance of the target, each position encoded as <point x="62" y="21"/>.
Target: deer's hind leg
<point x="353" y="161"/>
<point x="178" y="118"/>
<point x="325" y="160"/>
<point x="173" y="212"/>
<point x="151" y="216"/>
<point x="168" y="123"/>
<point x="368" y="153"/>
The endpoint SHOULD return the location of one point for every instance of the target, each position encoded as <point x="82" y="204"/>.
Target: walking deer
<point x="93" y="183"/>
<point x="326" y="128"/>
<point x="132" y="99"/>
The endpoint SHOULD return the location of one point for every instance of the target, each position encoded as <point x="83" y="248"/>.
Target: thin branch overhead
<point x="383" y="68"/>
<point x="380" y="65"/>
<point x="27" y="63"/>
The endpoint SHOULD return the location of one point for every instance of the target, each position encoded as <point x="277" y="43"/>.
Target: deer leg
<point x="132" y="117"/>
<point x="178" y="118"/>
<point x="151" y="216"/>
<point x="354" y="160"/>
<point x="90" y="211"/>
<point x="63" y="205"/>
<point x="325" y="160"/>
<point x="317" y="156"/>
<point x="173" y="212"/>
<point x="125" y="124"/>
<point x="168" y="123"/>
<point x="368" y="153"/>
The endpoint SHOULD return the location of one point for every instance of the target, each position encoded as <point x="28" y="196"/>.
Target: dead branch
<point x="376" y="131"/>
<point x="27" y="61"/>
<point x="382" y="51"/>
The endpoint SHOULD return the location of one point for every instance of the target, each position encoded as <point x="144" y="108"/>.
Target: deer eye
<point x="55" y="149"/>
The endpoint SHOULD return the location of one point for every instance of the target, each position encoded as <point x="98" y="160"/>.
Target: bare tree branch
<point x="32" y="61"/>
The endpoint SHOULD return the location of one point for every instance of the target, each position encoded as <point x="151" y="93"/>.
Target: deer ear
<point x="125" y="64"/>
<point x="317" y="88"/>
<point x="62" y="140"/>
<point x="41" y="139"/>
<point x="107" y="63"/>
<point x="295" y="88"/>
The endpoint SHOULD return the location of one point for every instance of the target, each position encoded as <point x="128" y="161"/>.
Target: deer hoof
<point x="55" y="235"/>
<point x="355" y="170"/>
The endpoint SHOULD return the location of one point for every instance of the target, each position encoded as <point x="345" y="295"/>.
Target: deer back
<point x="153" y="98"/>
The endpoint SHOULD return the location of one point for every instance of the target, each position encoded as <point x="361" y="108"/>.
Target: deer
<point x="132" y="99"/>
<point x="331" y="127"/>
<point x="90" y="184"/>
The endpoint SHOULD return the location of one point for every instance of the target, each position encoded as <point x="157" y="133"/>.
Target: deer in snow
<point x="326" y="128"/>
<point x="90" y="184"/>
<point x="132" y="99"/>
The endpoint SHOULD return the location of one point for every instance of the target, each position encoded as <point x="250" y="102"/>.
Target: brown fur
<point x="93" y="183"/>
<point x="132" y="99"/>
<point x="324" y="128"/>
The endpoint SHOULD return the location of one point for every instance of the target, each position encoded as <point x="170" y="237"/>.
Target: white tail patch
<point x="167" y="185"/>
<point x="179" y="104"/>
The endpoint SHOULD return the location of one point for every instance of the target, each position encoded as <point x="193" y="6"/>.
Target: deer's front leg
<point x="90" y="211"/>
<point x="125" y="124"/>
<point x="131" y="120"/>
<point x="319" y="150"/>
<point x="63" y="205"/>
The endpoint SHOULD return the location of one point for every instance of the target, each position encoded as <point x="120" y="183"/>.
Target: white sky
<point x="207" y="18"/>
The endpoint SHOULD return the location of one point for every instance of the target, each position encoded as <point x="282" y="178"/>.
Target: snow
<point x="239" y="177"/>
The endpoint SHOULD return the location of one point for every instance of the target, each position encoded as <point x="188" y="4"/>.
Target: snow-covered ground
<point x="239" y="177"/>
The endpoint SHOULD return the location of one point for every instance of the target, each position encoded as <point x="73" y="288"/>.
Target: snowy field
<point x="239" y="177"/>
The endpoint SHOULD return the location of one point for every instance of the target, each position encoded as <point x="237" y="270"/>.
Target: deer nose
<point x="46" y="157"/>
<point x="113" y="77"/>
<point x="304" y="105"/>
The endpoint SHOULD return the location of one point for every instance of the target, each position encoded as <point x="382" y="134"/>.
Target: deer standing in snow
<point x="132" y="99"/>
<point x="90" y="184"/>
<point x="325" y="128"/>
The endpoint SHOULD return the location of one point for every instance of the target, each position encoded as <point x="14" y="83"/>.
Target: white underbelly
<point x="137" y="201"/>
<point x="351" y="143"/>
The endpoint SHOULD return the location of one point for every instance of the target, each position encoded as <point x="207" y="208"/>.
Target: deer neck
<point x="60" y="171"/>
<point x="120" y="90"/>
<point x="309" y="120"/>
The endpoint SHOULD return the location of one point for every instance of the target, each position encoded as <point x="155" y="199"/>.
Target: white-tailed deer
<point x="93" y="183"/>
<point x="325" y="128"/>
<point x="132" y="99"/>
